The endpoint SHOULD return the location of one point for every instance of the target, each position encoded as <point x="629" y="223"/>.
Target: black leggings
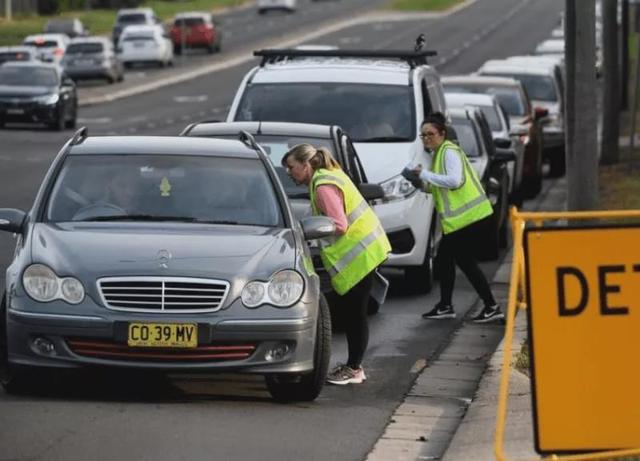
<point x="355" y="303"/>
<point x="459" y="248"/>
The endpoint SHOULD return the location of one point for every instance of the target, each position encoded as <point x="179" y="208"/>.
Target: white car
<point x="49" y="47"/>
<point x="147" y="43"/>
<point x="286" y="5"/>
<point x="553" y="46"/>
<point x="380" y="99"/>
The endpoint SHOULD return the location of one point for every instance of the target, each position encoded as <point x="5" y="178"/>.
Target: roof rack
<point x="79" y="136"/>
<point x="413" y="58"/>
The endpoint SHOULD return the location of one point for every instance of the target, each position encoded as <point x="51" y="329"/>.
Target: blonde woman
<point x="359" y="246"/>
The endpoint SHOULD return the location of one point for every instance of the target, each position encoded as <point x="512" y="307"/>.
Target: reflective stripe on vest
<point x="476" y="204"/>
<point x="348" y="258"/>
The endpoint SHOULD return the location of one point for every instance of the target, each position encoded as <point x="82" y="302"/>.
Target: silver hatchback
<point x="93" y="57"/>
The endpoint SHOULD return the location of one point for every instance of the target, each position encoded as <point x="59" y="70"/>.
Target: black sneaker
<point x="489" y="314"/>
<point x="440" y="312"/>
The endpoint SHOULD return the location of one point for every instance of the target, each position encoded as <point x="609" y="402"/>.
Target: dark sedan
<point x="165" y="253"/>
<point x="36" y="92"/>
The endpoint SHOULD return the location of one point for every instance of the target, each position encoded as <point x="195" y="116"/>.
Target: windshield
<point x="369" y="113"/>
<point x="6" y="56"/>
<point x="491" y="114"/>
<point x="467" y="138"/>
<point x="78" y="48"/>
<point x="539" y="87"/>
<point x="188" y="22"/>
<point x="132" y="19"/>
<point x="27" y="76"/>
<point x="60" y="25"/>
<point x="164" y="188"/>
<point x="509" y="98"/>
<point x="42" y="43"/>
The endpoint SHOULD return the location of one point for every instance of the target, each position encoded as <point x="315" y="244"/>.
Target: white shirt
<point x="452" y="179"/>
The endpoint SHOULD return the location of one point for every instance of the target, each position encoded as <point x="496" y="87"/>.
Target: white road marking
<point x="94" y="120"/>
<point x="193" y="98"/>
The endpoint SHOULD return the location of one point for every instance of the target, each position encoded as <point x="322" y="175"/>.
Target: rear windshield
<point x="136" y="38"/>
<point x="509" y="98"/>
<point x="60" y="26"/>
<point x="76" y="48"/>
<point x="491" y="114"/>
<point x="14" y="56"/>
<point x="27" y="76"/>
<point x="467" y="137"/>
<point x="188" y="22"/>
<point x="368" y="112"/>
<point x="136" y="18"/>
<point x="168" y="188"/>
<point x="538" y="87"/>
<point x="42" y="43"/>
<point x="277" y="146"/>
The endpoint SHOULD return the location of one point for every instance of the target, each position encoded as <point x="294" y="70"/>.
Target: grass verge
<point x="620" y="185"/>
<point x="100" y="22"/>
<point x="424" y="5"/>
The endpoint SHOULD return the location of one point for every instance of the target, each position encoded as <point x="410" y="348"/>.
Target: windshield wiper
<point x="384" y="139"/>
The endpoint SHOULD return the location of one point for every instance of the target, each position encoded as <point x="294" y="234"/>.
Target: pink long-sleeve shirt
<point x="331" y="203"/>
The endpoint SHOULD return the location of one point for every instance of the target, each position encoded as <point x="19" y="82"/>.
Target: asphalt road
<point x="127" y="416"/>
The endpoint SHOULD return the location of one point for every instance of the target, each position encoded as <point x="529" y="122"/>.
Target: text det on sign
<point x="583" y="287"/>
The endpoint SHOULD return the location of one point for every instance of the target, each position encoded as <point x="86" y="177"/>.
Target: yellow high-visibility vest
<point x="462" y="206"/>
<point x="348" y="258"/>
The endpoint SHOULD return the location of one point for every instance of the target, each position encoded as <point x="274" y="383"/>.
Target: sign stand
<point x="519" y="291"/>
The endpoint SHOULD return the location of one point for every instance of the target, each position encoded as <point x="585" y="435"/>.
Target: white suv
<point x="380" y="98"/>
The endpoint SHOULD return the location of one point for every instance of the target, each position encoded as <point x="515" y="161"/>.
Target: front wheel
<point x="306" y="387"/>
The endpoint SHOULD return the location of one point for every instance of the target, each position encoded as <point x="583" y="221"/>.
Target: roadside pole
<point x="634" y="110"/>
<point x="611" y="81"/>
<point x="183" y="40"/>
<point x="581" y="117"/>
<point x="7" y="10"/>
<point x="624" y="56"/>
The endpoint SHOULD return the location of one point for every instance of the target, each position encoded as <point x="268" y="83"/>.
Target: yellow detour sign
<point x="583" y="287"/>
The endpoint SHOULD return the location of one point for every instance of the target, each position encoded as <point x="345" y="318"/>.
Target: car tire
<point x="557" y="163"/>
<point x="420" y="278"/>
<point x="306" y="387"/>
<point x="12" y="378"/>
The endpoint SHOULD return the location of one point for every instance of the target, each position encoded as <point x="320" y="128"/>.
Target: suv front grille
<point x="163" y="294"/>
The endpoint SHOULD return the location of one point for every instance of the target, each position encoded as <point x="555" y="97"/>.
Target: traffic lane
<point x="229" y="416"/>
<point x="239" y="30"/>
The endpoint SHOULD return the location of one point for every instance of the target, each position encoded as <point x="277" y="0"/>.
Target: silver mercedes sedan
<point x="165" y="253"/>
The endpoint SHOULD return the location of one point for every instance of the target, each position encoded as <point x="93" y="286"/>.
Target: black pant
<point x="459" y="248"/>
<point x="355" y="303"/>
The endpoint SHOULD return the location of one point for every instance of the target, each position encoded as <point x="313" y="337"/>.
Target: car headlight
<point x="42" y="284"/>
<point x="397" y="188"/>
<point x="283" y="290"/>
<point x="48" y="99"/>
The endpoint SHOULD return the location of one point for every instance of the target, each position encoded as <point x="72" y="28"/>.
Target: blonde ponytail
<point x="317" y="158"/>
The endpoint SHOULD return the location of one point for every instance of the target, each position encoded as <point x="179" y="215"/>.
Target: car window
<point x="136" y="18"/>
<point x="27" y="76"/>
<point x="42" y="43"/>
<point x="509" y="98"/>
<point x="492" y="116"/>
<point x="467" y="137"/>
<point x="188" y="22"/>
<point x="277" y="146"/>
<point x="164" y="188"/>
<point x="60" y="25"/>
<point x="368" y="112"/>
<point x="539" y="87"/>
<point x="138" y="38"/>
<point x="79" y="48"/>
<point x="6" y="56"/>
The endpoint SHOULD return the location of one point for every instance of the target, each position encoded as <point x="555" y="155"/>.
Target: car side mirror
<point x="317" y="227"/>
<point x="371" y="191"/>
<point x="503" y="155"/>
<point x="12" y="220"/>
<point x="540" y="112"/>
<point x="502" y="143"/>
<point x="493" y="186"/>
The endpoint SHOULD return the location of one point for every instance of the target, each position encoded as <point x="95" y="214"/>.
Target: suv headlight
<point x="397" y="188"/>
<point x="43" y="285"/>
<point x="48" y="99"/>
<point x="283" y="290"/>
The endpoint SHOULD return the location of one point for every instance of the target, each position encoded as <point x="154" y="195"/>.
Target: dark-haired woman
<point x="462" y="206"/>
<point x="359" y="246"/>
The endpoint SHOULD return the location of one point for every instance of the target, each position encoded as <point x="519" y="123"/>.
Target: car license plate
<point x="163" y="335"/>
<point x="15" y="111"/>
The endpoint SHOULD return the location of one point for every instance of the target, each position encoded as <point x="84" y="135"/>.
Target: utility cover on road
<point x="584" y="317"/>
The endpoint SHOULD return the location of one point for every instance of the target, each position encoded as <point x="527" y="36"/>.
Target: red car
<point x="199" y="29"/>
